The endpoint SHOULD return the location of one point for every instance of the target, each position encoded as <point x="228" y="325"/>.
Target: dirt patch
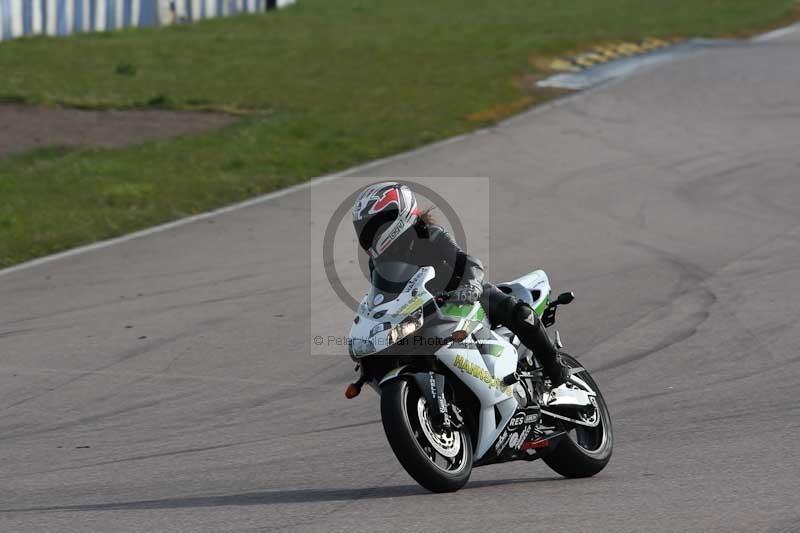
<point x="24" y="128"/>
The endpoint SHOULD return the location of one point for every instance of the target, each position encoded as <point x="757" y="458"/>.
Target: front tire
<point x="440" y="461"/>
<point x="583" y="452"/>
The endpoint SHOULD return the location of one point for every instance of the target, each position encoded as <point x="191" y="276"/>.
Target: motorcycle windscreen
<point x="389" y="278"/>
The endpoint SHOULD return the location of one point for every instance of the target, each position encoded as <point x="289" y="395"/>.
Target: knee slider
<point x="524" y="314"/>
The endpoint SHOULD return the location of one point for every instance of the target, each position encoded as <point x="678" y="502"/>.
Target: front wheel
<point x="584" y="451"/>
<point x="439" y="460"/>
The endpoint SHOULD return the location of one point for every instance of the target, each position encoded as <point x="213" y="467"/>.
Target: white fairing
<point x="413" y="297"/>
<point x="482" y="373"/>
<point x="524" y="288"/>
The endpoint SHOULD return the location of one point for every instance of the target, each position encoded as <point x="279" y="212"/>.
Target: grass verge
<point x="341" y="83"/>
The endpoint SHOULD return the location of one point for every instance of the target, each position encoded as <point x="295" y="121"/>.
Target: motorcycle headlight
<point x="377" y="341"/>
<point x="409" y="325"/>
<point x="378" y="328"/>
<point x="361" y="347"/>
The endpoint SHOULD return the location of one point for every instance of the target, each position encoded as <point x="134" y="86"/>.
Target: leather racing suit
<point x="462" y="277"/>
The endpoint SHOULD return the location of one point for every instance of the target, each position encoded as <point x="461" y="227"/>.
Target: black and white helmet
<point x="384" y="216"/>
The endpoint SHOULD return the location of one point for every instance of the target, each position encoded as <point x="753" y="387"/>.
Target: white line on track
<point x="777" y="34"/>
<point x="274" y="195"/>
<point x="770" y="36"/>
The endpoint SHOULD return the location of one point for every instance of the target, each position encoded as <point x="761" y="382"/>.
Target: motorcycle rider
<point x="390" y="227"/>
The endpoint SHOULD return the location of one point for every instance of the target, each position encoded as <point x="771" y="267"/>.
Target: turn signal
<point x="352" y="391"/>
<point x="458" y="335"/>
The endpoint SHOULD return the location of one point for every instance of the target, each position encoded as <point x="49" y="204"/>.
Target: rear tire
<point x="584" y="452"/>
<point x="439" y="461"/>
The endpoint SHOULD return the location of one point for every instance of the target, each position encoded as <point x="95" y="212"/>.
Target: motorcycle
<point x="457" y="393"/>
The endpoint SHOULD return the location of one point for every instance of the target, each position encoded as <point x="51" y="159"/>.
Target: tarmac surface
<point x="165" y="383"/>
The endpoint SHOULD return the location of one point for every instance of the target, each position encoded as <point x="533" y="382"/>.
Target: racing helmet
<point x="384" y="216"/>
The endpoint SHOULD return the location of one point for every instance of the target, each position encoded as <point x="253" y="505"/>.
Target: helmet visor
<point x="401" y="248"/>
<point x="370" y="230"/>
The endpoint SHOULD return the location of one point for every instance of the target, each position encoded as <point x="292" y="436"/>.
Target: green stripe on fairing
<point x="456" y="310"/>
<point x="542" y="306"/>
<point x="463" y="311"/>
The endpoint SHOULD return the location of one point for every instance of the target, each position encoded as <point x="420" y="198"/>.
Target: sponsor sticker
<point x="512" y="440"/>
<point x="411" y="306"/>
<point x="517" y="420"/>
<point x="481" y="373"/>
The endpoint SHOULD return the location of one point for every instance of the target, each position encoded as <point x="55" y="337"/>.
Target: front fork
<point x="444" y="415"/>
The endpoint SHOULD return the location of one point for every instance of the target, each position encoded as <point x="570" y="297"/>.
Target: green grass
<point x="323" y="85"/>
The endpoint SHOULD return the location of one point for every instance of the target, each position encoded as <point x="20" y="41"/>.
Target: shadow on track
<point x="275" y="497"/>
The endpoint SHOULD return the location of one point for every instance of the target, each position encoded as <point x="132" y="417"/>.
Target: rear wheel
<point x="584" y="451"/>
<point x="439" y="460"/>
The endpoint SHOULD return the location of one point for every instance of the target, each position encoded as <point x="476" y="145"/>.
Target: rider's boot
<point x="531" y="333"/>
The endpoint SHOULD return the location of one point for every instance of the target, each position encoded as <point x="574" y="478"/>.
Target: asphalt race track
<point x="165" y="383"/>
